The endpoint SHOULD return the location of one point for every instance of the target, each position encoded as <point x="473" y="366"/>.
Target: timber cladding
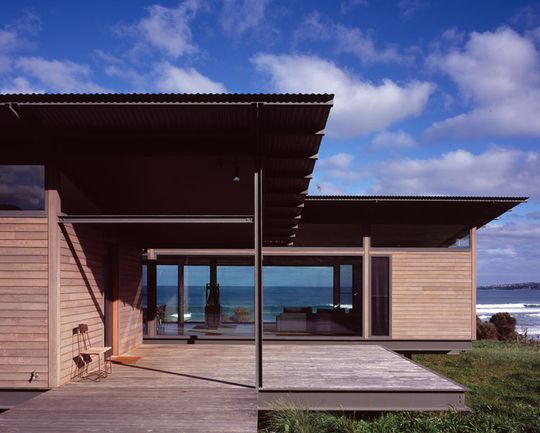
<point x="81" y="291"/>
<point x="130" y="297"/>
<point x="432" y="295"/>
<point x="24" y="308"/>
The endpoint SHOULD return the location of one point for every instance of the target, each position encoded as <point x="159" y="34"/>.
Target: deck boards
<point x="210" y="387"/>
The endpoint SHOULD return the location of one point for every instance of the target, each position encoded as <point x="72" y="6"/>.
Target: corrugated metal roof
<point x="168" y="98"/>
<point x="414" y="198"/>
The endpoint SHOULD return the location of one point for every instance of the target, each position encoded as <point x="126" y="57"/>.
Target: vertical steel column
<point x="337" y="285"/>
<point x="258" y="277"/>
<point x="181" y="292"/>
<point x="151" y="273"/>
<point x="366" y="286"/>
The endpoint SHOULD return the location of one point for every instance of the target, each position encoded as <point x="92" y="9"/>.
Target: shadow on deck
<point x="210" y="388"/>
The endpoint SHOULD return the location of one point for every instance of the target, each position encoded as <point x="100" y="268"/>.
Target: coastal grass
<point x="504" y="378"/>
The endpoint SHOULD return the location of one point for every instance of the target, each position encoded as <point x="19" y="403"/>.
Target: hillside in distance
<point x="512" y="286"/>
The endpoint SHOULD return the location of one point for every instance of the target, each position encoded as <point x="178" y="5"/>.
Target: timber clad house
<point x="161" y="220"/>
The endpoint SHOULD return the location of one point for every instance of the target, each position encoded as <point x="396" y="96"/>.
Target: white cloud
<point x="498" y="73"/>
<point x="360" y="106"/>
<point x="327" y="188"/>
<point x="339" y="161"/>
<point x="350" y="40"/>
<point x="392" y="140"/>
<point x="171" y="78"/>
<point x="20" y="85"/>
<point x="56" y="75"/>
<point x="409" y="8"/>
<point x="8" y="40"/>
<point x="354" y="41"/>
<point x="237" y="17"/>
<point x="509" y="252"/>
<point x="348" y="5"/>
<point x="166" y="29"/>
<point x="497" y="171"/>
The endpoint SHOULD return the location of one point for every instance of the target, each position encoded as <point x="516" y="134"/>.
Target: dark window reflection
<point x="22" y="187"/>
<point x="380" y="296"/>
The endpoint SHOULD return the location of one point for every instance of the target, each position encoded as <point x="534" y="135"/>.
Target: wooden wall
<point x="432" y="295"/>
<point x="130" y="297"/>
<point x="23" y="306"/>
<point x="81" y="291"/>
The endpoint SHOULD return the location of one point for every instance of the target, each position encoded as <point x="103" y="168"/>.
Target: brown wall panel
<point x="431" y="295"/>
<point x="23" y="306"/>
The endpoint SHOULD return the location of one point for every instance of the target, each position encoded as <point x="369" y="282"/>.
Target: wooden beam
<point x="258" y="268"/>
<point x="156" y="219"/>
<point x="151" y="285"/>
<point x="53" y="210"/>
<point x="472" y="244"/>
<point x="366" y="274"/>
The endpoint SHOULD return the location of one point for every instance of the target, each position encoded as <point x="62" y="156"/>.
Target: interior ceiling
<point x="106" y="145"/>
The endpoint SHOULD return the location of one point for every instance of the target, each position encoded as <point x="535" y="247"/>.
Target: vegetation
<point x="501" y="326"/>
<point x="504" y="378"/>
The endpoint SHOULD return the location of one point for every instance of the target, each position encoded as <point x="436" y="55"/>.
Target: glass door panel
<point x="195" y="279"/>
<point x="167" y="299"/>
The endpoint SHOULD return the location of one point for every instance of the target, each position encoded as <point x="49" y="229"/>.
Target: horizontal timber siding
<point x="130" y="298"/>
<point x="24" y="301"/>
<point x="81" y="291"/>
<point x="432" y="295"/>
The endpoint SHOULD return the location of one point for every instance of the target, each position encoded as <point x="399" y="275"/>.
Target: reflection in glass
<point x="144" y="284"/>
<point x="195" y="279"/>
<point x="310" y="300"/>
<point x="236" y="293"/>
<point x="167" y="296"/>
<point x="380" y="296"/>
<point x="22" y="187"/>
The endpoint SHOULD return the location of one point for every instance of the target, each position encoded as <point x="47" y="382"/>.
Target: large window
<point x="22" y="188"/>
<point x="312" y="296"/>
<point x="380" y="296"/>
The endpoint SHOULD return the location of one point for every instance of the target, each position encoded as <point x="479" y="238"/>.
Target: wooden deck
<point x="210" y="388"/>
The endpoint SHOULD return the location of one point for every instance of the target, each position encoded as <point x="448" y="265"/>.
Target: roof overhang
<point x="414" y="220"/>
<point x="77" y="130"/>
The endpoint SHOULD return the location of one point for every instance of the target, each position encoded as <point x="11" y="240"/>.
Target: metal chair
<point x="87" y="351"/>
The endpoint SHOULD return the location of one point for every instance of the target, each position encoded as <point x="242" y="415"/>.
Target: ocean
<point x="523" y="304"/>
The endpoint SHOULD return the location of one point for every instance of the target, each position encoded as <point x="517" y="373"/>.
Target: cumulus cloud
<point x="165" y="29"/>
<point x="497" y="171"/>
<point x="348" y="5"/>
<point x="334" y="174"/>
<point x="337" y="166"/>
<point x="20" y="85"/>
<point x="171" y="78"/>
<point x="351" y="40"/>
<point x="497" y="72"/>
<point x="237" y="17"/>
<point x="509" y="251"/>
<point x="392" y="140"/>
<point x="360" y="106"/>
<point x="409" y="8"/>
<point x="56" y="75"/>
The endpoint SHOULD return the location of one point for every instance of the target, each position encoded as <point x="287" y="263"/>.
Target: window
<point x="22" y="188"/>
<point x="380" y="296"/>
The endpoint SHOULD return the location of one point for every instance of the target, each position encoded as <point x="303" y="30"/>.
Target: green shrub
<point x="506" y="326"/>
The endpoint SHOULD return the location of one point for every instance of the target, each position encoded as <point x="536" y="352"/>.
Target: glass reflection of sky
<point x="22" y="187"/>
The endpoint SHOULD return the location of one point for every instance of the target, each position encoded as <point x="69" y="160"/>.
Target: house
<point x="185" y="218"/>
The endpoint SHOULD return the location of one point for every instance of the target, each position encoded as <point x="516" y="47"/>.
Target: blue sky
<point x="431" y="97"/>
